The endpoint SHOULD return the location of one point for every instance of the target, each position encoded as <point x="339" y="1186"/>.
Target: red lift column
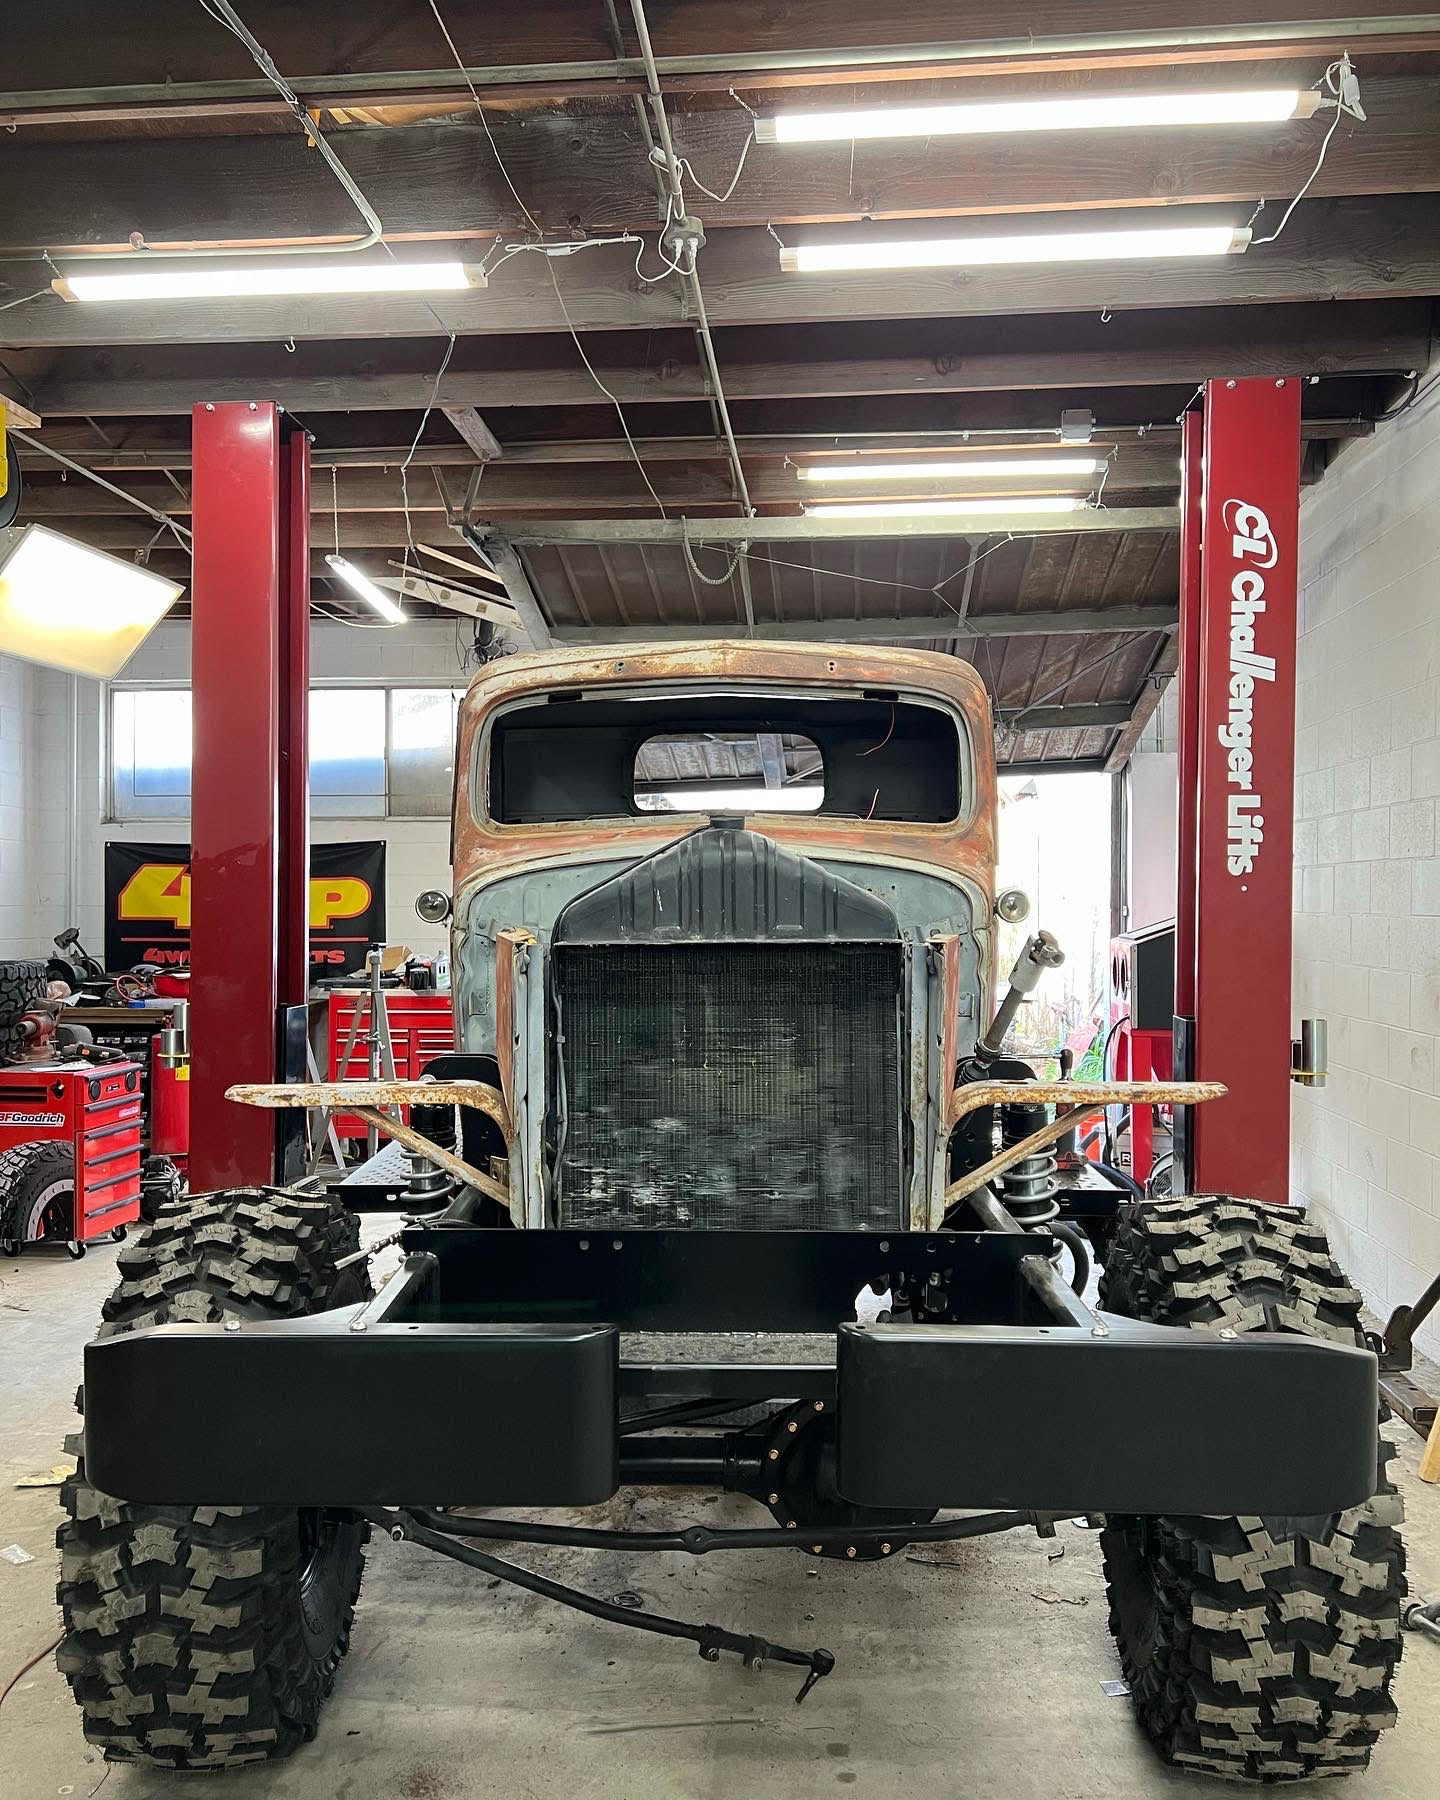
<point x="1237" y="772"/>
<point x="249" y="857"/>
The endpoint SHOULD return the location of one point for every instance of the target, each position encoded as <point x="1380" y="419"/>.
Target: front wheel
<point x="206" y="1637"/>
<point x="1255" y="1648"/>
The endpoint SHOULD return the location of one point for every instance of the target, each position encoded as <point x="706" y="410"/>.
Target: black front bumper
<point x="490" y="1372"/>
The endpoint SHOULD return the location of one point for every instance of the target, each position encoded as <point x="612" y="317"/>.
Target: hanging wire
<point x="1010" y="537"/>
<point x="315" y="606"/>
<point x="414" y="444"/>
<point x="711" y="580"/>
<point x="619" y="410"/>
<point x="1340" y="80"/>
<point x="1418" y="391"/>
<point x="689" y="168"/>
<point x="549" y="261"/>
<point x="535" y="225"/>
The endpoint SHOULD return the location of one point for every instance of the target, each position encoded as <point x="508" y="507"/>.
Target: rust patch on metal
<point x="964" y="849"/>
<point x="1074" y="1100"/>
<point x="949" y="952"/>
<point x="508" y="945"/>
<point x="1090" y="1094"/>
<point x="352" y="1096"/>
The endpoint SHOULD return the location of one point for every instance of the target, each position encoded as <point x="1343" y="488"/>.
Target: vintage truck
<point x="731" y="1182"/>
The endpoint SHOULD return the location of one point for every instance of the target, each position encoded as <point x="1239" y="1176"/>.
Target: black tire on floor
<point x="1257" y="1649"/>
<point x="206" y="1637"/>
<point x="23" y="985"/>
<point x="37" y="1186"/>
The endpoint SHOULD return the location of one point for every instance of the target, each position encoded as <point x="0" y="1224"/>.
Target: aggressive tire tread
<point x="26" y="1170"/>
<point x="22" y="986"/>
<point x="1255" y="1649"/>
<point x="186" y="1645"/>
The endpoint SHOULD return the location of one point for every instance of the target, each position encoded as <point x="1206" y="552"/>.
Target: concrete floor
<point x="980" y="1677"/>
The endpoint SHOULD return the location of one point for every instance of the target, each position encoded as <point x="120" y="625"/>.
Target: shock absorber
<point x="431" y="1187"/>
<point x="1028" y="1188"/>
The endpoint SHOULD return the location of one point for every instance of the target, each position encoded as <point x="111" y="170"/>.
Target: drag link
<point x="709" y="1640"/>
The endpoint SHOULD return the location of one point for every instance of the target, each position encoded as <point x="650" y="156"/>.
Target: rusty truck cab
<point x="822" y="821"/>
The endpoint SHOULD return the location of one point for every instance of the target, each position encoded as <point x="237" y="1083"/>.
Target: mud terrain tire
<point x="206" y="1637"/>
<point x="1256" y="1649"/>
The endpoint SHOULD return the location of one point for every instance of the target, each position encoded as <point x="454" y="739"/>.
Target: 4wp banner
<point x="147" y="905"/>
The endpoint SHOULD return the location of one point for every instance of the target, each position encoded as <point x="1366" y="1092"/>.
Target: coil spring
<point x="429" y="1185"/>
<point x="1028" y="1189"/>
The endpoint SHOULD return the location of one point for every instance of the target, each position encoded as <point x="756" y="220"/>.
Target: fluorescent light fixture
<point x="247" y="281"/>
<point x="1089" y="112"/>
<point x="938" y="509"/>
<point x="1034" y="247"/>
<point x="979" y="468"/>
<point x="361" y="585"/>
<point x="806" y="798"/>
<point x="73" y="608"/>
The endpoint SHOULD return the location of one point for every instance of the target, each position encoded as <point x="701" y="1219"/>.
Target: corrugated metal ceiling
<point x="811" y="585"/>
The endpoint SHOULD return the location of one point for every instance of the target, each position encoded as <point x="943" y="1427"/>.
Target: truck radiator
<point x="730" y="1085"/>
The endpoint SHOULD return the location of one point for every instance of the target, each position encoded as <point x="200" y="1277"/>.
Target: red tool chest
<point x="422" y="1027"/>
<point x="95" y="1107"/>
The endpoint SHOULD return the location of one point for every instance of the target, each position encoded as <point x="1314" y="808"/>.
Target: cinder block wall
<point x="1366" y="1149"/>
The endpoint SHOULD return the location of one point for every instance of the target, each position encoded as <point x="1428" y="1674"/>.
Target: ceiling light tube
<point x="1086" y="112"/>
<point x="972" y="469"/>
<point x="936" y="509"/>
<point x="365" y="588"/>
<point x="1158" y="241"/>
<point x="68" y="606"/>
<point x="336" y="277"/>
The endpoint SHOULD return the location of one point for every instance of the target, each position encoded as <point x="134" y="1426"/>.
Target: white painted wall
<point x="35" y="726"/>
<point x="1366" y="1149"/>
<point x="1151" y="808"/>
<point x="418" y="850"/>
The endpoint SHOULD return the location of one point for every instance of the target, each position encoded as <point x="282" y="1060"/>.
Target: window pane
<point x="729" y="771"/>
<point x="347" y="753"/>
<point x="422" y="750"/>
<point x="150" y="753"/>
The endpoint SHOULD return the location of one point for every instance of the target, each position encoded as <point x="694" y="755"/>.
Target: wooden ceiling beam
<point x="85" y="58"/>
<point x="1159" y="348"/>
<point x="475" y="433"/>
<point x="161" y="447"/>
<point x="589" y="173"/>
<point x="579" y="487"/>
<point x="1346" y="249"/>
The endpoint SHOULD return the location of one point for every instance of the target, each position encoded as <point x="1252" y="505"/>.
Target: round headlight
<point x="433" y="906"/>
<point x="1013" y="906"/>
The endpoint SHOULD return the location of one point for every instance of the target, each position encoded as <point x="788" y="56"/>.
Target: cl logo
<point x="1251" y="533"/>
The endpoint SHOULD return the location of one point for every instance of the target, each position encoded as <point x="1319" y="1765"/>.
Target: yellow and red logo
<point x="161" y="890"/>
